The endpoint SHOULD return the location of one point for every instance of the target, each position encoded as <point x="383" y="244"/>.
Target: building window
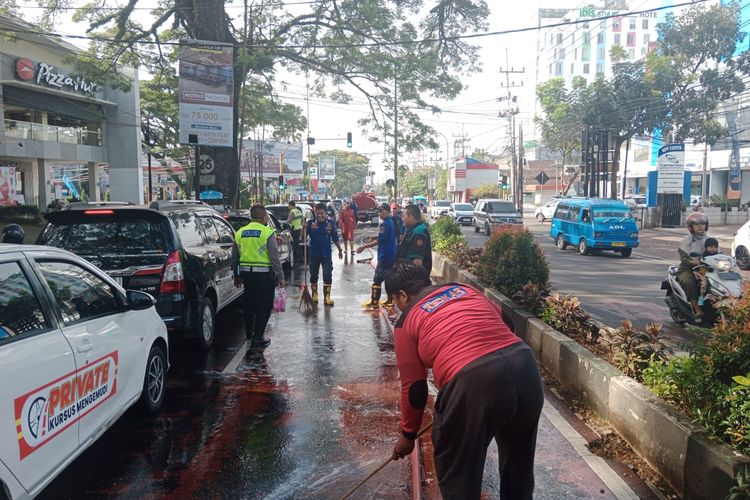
<point x="550" y="70"/>
<point x="602" y="53"/>
<point x="559" y="38"/>
<point x="631" y="54"/>
<point x="617" y="39"/>
<point x="646" y="38"/>
<point x="572" y="68"/>
<point x="562" y="53"/>
<point x="600" y="38"/>
<point x="632" y="24"/>
<point x="643" y="51"/>
<point x="575" y="53"/>
<point x="585" y="68"/>
<point x="631" y="40"/>
<point x="585" y="53"/>
<point x="616" y="24"/>
<point x="599" y="69"/>
<point x="645" y="24"/>
<point x="558" y="69"/>
<point x="587" y="37"/>
<point x="586" y="25"/>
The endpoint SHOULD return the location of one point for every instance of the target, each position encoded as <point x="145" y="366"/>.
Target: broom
<point x="382" y="466"/>
<point x="305" y="299"/>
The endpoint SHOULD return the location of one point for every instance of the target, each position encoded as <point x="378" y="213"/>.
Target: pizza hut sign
<point x="46" y="74"/>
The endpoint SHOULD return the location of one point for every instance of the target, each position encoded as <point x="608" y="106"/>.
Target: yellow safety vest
<point x="297" y="221"/>
<point x="252" y="241"/>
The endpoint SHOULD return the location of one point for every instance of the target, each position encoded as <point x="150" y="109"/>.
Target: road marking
<point x="235" y="362"/>
<point x="610" y="478"/>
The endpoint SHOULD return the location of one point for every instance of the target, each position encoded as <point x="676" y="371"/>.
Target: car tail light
<point x="98" y="212"/>
<point x="173" y="280"/>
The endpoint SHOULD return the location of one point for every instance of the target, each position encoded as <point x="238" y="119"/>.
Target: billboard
<point x="206" y="93"/>
<point x="7" y="186"/>
<point x="262" y="157"/>
<point x="670" y="165"/>
<point x="327" y="168"/>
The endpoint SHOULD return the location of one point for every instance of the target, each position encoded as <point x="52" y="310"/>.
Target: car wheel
<point x="204" y="324"/>
<point x="583" y="247"/>
<point x="476" y="228"/>
<point x="626" y="252"/>
<point x="540" y="217"/>
<point x="560" y="242"/>
<point x="743" y="258"/>
<point x="152" y="395"/>
<point x="487" y="228"/>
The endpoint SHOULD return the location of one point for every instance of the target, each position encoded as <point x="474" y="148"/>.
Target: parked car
<point x="492" y="213"/>
<point x="741" y="246"/>
<point x="77" y="350"/>
<point x="463" y="213"/>
<point x="183" y="254"/>
<point x="594" y="224"/>
<point x="241" y="218"/>
<point x="546" y="211"/>
<point x="281" y="211"/>
<point x="439" y="208"/>
<point x="635" y="201"/>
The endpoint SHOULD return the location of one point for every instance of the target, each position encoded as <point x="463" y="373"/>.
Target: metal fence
<point x="51" y="133"/>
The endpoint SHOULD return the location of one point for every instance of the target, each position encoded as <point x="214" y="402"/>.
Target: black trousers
<point x="496" y="396"/>
<point x="257" y="302"/>
<point x="296" y="233"/>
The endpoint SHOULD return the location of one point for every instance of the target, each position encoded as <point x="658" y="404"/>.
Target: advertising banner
<point x="327" y="168"/>
<point x="7" y="185"/>
<point x="262" y="157"/>
<point x="670" y="165"/>
<point x="206" y="93"/>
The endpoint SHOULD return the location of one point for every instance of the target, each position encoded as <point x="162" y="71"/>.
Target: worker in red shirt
<point x="488" y="379"/>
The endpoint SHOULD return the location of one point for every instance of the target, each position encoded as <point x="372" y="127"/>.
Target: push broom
<point x="305" y="299"/>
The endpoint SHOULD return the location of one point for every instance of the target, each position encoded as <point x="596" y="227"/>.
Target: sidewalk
<point x="662" y="242"/>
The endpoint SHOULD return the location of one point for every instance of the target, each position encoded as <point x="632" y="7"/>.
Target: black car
<point x="241" y="218"/>
<point x="182" y="254"/>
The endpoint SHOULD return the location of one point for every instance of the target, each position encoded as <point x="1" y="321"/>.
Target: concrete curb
<point x="696" y="466"/>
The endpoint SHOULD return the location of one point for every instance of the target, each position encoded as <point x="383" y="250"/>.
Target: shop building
<point x="63" y="136"/>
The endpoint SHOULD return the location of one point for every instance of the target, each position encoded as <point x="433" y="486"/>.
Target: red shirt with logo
<point x="445" y="330"/>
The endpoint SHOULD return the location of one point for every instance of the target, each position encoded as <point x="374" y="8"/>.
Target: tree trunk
<point x="619" y="141"/>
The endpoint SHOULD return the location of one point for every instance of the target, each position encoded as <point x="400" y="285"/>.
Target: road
<point x="307" y="418"/>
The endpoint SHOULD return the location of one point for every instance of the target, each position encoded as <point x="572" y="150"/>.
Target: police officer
<point x="386" y="241"/>
<point x="295" y="220"/>
<point x="415" y="246"/>
<point x="260" y="270"/>
<point x="13" y="233"/>
<point x="322" y="232"/>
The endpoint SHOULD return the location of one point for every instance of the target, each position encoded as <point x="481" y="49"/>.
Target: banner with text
<point x="670" y="165"/>
<point x="327" y="167"/>
<point x="262" y="157"/>
<point x="206" y="93"/>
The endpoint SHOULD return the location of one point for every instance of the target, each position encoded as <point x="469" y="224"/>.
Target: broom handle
<point x="381" y="466"/>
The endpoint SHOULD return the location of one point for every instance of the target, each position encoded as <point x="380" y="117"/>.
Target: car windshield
<point x="500" y="207"/>
<point x="619" y="213"/>
<point x="442" y="203"/>
<point x="107" y="236"/>
<point x="281" y="213"/>
<point x="463" y="207"/>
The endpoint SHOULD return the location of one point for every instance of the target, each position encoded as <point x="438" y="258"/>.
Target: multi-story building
<point x="61" y="134"/>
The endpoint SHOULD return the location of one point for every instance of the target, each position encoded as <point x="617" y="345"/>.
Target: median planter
<point x="695" y="465"/>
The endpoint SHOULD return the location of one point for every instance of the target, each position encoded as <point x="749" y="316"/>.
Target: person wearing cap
<point x="387" y="242"/>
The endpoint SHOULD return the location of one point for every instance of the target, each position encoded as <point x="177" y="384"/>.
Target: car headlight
<point x="634" y="236"/>
<point x="718" y="288"/>
<point x="724" y="265"/>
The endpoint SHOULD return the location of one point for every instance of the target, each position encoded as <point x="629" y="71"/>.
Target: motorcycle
<point x="723" y="281"/>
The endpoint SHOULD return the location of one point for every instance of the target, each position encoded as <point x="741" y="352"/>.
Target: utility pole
<point x="519" y="203"/>
<point x="395" y="136"/>
<point x="510" y="113"/>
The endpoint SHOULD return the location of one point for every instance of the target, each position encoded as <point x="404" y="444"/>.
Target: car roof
<point x="594" y="202"/>
<point x="494" y="199"/>
<point x="9" y="248"/>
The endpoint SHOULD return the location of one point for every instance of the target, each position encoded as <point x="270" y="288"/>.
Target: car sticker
<point x="43" y="413"/>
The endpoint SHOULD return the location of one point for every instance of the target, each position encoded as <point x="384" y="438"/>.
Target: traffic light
<point x="348" y="139"/>
<point x="503" y="182"/>
<point x="281" y="183"/>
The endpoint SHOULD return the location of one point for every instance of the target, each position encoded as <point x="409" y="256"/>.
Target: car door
<point x="231" y="254"/>
<point x="478" y="213"/>
<point x="109" y="346"/>
<point x="220" y="260"/>
<point x="37" y="433"/>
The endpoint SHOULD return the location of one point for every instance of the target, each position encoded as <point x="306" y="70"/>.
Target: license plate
<point x="729" y="275"/>
<point x="618" y="244"/>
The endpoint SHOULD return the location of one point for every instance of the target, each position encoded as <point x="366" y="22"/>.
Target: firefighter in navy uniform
<point x="416" y="245"/>
<point x="260" y="270"/>
<point x="322" y="232"/>
<point x="386" y="241"/>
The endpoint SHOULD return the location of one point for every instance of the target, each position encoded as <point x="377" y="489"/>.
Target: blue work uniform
<point x="320" y="237"/>
<point x="387" y="245"/>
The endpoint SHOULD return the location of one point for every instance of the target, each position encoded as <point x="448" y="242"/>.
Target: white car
<point x="439" y="208"/>
<point x="545" y="212"/>
<point x="463" y="213"/>
<point x="741" y="246"/>
<point x="76" y="351"/>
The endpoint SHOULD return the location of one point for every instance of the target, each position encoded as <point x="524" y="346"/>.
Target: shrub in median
<point x="442" y="229"/>
<point x="511" y="258"/>
<point x="565" y="314"/>
<point x="21" y="214"/>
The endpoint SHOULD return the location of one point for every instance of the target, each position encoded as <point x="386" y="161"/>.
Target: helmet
<point x="697" y="218"/>
<point x="13" y="233"/>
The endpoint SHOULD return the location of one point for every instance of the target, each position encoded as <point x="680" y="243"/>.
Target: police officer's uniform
<point x="296" y="216"/>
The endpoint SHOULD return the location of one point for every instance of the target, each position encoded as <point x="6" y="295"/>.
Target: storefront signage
<point x="670" y="166"/>
<point x="46" y="74"/>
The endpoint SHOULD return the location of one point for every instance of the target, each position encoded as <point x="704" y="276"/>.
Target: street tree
<point x="415" y="183"/>
<point x="351" y="171"/>
<point x="400" y="56"/>
<point x="488" y="190"/>
<point x="441" y="184"/>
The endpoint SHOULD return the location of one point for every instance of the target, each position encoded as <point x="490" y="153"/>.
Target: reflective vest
<point x="297" y="221"/>
<point x="252" y="241"/>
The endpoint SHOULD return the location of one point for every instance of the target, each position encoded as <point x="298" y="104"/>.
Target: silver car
<point x="492" y="213"/>
<point x="463" y="213"/>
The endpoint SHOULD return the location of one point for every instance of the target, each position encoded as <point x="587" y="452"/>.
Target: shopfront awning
<point x="59" y="105"/>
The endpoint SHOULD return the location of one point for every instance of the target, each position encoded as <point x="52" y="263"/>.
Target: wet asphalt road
<point x="307" y="418"/>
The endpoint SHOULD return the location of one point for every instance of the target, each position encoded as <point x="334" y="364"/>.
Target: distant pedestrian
<point x="295" y="220"/>
<point x="322" y="233"/>
<point x="386" y="241"/>
<point x="347" y="222"/>
<point x="488" y="380"/>
<point x="260" y="270"/>
<point x="416" y="245"/>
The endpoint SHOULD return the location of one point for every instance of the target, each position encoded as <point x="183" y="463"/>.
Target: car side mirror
<point x="139" y="301"/>
<point x="225" y="239"/>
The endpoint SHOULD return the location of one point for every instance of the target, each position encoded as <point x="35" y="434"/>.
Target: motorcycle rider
<point x="13" y="233"/>
<point x="693" y="244"/>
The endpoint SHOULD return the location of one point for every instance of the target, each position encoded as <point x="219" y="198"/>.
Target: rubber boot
<point x="327" y="300"/>
<point x="374" y="298"/>
<point x="314" y="288"/>
<point x="388" y="302"/>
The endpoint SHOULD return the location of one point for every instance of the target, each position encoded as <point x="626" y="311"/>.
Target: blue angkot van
<point x="594" y="224"/>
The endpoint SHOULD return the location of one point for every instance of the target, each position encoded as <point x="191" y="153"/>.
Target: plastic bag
<point x="279" y="300"/>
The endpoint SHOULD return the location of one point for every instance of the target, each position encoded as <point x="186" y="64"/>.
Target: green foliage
<point x="20" y="214"/>
<point x="414" y="183"/>
<point x="449" y="245"/>
<point x="532" y="297"/>
<point x="633" y="349"/>
<point x="490" y="190"/>
<point x="441" y="185"/>
<point x="511" y="258"/>
<point x="443" y="229"/>
<point x="741" y="488"/>
<point x="565" y="314"/>
<point x="351" y="171"/>
<point x="560" y="119"/>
